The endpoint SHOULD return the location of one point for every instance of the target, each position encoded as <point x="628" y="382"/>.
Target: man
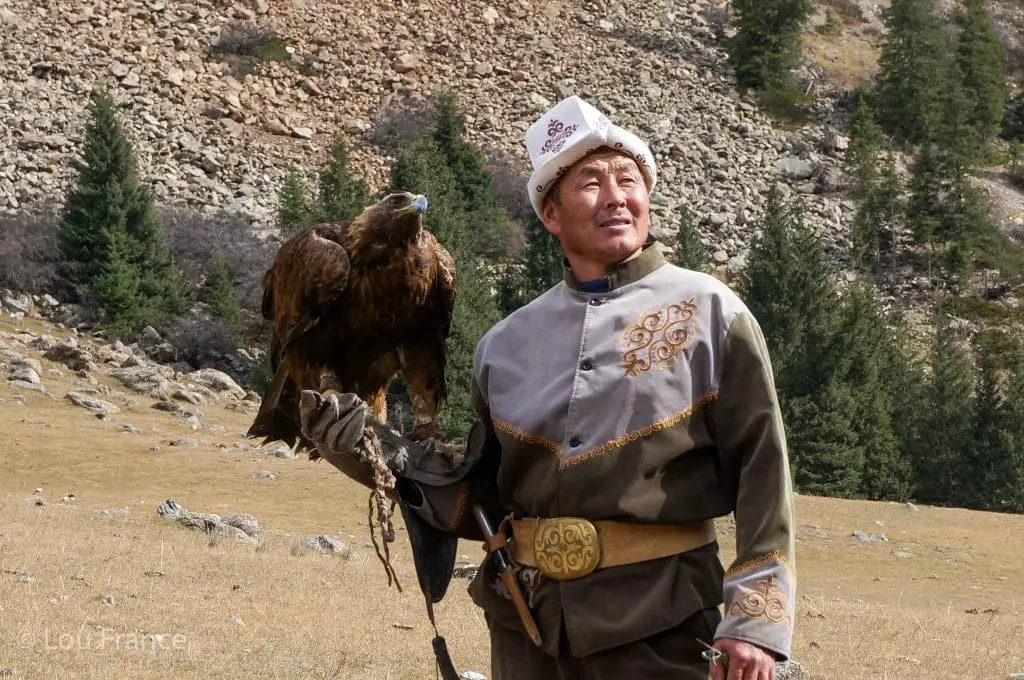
<point x="619" y="414"/>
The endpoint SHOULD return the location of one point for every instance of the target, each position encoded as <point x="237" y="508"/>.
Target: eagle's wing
<point x="445" y="285"/>
<point x="310" y="273"/>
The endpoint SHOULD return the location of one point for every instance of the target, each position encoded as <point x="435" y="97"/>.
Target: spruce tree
<point x="989" y="462"/>
<point x="981" y="60"/>
<point x="340" y="194"/>
<point x="293" y="208"/>
<point x="827" y="457"/>
<point x="947" y="422"/>
<point x="913" y="71"/>
<point x="1013" y="485"/>
<point x="787" y="286"/>
<point x="110" y="231"/>
<point x="690" y="252"/>
<point x="117" y="287"/>
<point x="219" y="290"/>
<point x="542" y="268"/>
<point x="861" y="359"/>
<point x="862" y="165"/>
<point x="767" y="41"/>
<point x="907" y="382"/>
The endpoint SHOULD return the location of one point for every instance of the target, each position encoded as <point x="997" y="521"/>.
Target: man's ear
<point x="550" y="217"/>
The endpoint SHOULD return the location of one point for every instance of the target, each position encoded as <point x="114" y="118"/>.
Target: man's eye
<point x="627" y="180"/>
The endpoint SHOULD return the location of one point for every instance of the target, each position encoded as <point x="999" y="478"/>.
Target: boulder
<point x="71" y="355"/>
<point x="794" y="168"/>
<point x="218" y="381"/>
<point x="146" y="380"/>
<point x="92" y="404"/>
<point x="321" y="545"/>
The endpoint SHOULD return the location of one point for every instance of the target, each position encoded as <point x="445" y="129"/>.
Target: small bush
<point x="198" y="336"/>
<point x="401" y="124"/>
<point x="509" y="184"/>
<point x="785" y="104"/>
<point x="244" y="45"/>
<point x="28" y="250"/>
<point x="194" y="237"/>
<point x="832" y="25"/>
<point x="848" y="10"/>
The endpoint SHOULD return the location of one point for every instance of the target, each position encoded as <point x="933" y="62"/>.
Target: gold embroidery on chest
<point x="768" y="602"/>
<point x="646" y="430"/>
<point x="525" y="437"/>
<point x="658" y="338"/>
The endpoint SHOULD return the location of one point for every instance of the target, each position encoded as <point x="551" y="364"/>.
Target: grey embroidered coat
<point x="652" y="402"/>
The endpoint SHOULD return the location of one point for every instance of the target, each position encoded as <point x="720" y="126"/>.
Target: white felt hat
<point x="570" y="130"/>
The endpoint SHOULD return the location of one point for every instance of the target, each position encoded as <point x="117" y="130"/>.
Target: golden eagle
<point x="353" y="304"/>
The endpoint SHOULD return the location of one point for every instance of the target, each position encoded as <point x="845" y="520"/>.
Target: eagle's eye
<point x="395" y="200"/>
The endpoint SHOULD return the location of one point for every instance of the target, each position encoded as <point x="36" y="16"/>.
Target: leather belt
<point x="566" y="548"/>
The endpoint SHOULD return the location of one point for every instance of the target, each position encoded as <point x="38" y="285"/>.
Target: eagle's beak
<point x="418" y="206"/>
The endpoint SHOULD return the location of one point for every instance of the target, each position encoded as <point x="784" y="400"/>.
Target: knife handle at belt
<point x="508" y="577"/>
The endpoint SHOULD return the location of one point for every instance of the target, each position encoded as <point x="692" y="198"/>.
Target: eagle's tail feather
<point x="263" y="424"/>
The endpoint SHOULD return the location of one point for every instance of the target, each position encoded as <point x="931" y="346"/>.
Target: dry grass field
<point x="84" y="595"/>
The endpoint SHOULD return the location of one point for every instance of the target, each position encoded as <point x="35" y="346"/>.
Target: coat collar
<point x="623" y="273"/>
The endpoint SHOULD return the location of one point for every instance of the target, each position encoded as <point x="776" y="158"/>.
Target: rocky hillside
<point x="210" y="136"/>
<point x="217" y="129"/>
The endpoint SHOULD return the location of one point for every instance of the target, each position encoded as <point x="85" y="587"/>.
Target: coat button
<point x="586" y="364"/>
<point x="596" y="302"/>
<point x="575" y="441"/>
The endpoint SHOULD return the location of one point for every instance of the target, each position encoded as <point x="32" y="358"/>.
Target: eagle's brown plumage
<point x="353" y="304"/>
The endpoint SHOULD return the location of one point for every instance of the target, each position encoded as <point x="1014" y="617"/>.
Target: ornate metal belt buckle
<point x="566" y="547"/>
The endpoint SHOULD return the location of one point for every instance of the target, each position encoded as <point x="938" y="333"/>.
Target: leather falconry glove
<point x="341" y="427"/>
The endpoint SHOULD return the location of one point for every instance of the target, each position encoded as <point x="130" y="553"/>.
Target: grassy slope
<point x="863" y="612"/>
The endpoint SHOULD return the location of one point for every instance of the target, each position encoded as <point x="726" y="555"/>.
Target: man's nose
<point x="615" y="195"/>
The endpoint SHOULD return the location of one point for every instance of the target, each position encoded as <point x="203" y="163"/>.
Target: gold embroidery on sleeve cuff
<point x="768" y="602"/>
<point x="774" y="555"/>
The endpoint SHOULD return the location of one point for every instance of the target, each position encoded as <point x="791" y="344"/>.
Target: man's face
<point x="602" y="212"/>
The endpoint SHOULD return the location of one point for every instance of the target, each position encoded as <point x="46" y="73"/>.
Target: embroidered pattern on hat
<point x="658" y="338"/>
<point x="558" y="134"/>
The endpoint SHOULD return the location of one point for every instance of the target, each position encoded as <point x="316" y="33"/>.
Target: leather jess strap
<point x="570" y="547"/>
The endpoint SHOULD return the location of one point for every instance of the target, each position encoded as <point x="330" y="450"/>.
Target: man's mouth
<point x="617" y="222"/>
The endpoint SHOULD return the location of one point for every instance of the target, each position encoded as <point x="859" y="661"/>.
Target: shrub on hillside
<point x="197" y="337"/>
<point x="509" y="185"/>
<point x="401" y="124"/>
<point x="193" y="238"/>
<point x="28" y="250"/>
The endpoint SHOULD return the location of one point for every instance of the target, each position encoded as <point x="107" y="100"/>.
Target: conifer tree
<point x="472" y="177"/>
<point x="110" y="231"/>
<point x="860" y="359"/>
<point x="947" y="423"/>
<point x="913" y="71"/>
<point x="293" y="205"/>
<point x="907" y="381"/>
<point x="340" y="194"/>
<point x="862" y="164"/>
<point x="981" y="61"/>
<point x="117" y="287"/>
<point x="827" y="457"/>
<point x="541" y="269"/>
<point x="767" y="41"/>
<point x="219" y="290"/>
<point x="787" y="286"/>
<point x="690" y="251"/>
<point x="1013" y="485"/>
<point x="984" y="468"/>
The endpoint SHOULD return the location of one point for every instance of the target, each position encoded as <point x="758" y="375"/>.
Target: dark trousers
<point x="673" y="654"/>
